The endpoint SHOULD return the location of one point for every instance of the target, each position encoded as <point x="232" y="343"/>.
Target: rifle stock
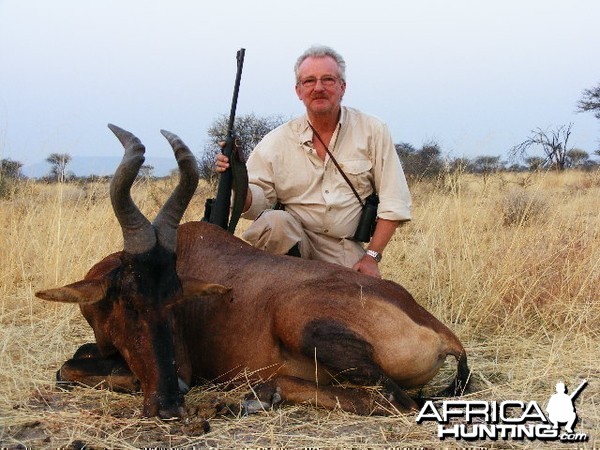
<point x="217" y="211"/>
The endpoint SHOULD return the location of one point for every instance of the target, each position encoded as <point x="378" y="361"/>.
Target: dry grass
<point x="513" y="266"/>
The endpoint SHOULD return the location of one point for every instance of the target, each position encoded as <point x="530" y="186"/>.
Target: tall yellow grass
<point x="512" y="265"/>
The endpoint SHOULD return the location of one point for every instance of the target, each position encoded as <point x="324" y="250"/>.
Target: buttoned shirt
<point x="285" y="167"/>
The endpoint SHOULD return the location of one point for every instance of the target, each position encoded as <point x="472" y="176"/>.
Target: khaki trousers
<point x="277" y="231"/>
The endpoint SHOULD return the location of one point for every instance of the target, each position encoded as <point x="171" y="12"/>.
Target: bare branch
<point x="554" y="144"/>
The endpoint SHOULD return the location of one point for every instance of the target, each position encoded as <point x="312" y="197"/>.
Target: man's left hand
<point x="368" y="266"/>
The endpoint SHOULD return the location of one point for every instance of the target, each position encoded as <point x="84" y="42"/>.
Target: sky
<point x="475" y="76"/>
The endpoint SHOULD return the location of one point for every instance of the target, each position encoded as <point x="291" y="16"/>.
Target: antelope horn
<point x="138" y="233"/>
<point x="170" y="214"/>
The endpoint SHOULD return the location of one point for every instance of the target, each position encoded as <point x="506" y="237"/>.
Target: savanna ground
<point x="511" y="264"/>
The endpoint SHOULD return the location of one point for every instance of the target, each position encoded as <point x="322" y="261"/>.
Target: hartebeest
<point x="180" y="304"/>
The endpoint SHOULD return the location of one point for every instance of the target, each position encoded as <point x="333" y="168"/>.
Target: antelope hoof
<point x="263" y="400"/>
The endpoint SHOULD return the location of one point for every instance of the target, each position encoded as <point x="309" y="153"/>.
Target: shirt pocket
<point x="359" y="173"/>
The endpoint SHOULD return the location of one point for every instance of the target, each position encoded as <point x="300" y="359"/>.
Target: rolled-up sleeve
<point x="258" y="203"/>
<point x="260" y="183"/>
<point x="390" y="183"/>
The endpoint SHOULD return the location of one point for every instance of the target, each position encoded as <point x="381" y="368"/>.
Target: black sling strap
<point x="337" y="165"/>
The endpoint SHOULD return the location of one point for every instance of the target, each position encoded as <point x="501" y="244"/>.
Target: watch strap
<point x="375" y="255"/>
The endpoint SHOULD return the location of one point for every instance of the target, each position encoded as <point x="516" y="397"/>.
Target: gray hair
<point x="321" y="51"/>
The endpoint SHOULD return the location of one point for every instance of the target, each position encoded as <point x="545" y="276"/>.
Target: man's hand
<point x="222" y="163"/>
<point x="384" y="230"/>
<point x="368" y="266"/>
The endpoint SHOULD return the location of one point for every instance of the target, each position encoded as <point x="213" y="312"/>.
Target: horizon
<point x="475" y="77"/>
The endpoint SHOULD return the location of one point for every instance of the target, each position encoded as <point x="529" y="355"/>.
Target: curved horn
<point x="138" y="233"/>
<point x="170" y="214"/>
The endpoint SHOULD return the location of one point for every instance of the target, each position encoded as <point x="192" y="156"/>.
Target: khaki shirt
<point x="285" y="167"/>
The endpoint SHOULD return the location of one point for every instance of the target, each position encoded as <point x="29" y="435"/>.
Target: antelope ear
<point x="84" y="292"/>
<point x="194" y="288"/>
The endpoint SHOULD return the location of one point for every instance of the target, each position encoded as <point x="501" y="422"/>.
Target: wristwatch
<point x="375" y="255"/>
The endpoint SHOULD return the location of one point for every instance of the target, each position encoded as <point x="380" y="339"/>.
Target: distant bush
<point x="520" y="207"/>
<point x="10" y="174"/>
<point x="423" y="163"/>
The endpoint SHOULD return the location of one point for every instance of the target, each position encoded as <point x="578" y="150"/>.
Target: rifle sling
<point x="239" y="185"/>
<point x="337" y="165"/>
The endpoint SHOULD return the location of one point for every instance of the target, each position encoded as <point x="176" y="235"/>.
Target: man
<point x="291" y="166"/>
<point x="560" y="408"/>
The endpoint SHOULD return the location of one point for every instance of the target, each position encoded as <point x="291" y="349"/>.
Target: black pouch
<point x="368" y="218"/>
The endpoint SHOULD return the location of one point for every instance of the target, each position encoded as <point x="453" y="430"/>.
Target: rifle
<point x="578" y="390"/>
<point x="217" y="210"/>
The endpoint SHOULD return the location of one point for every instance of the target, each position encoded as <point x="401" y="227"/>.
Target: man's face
<point x="319" y="85"/>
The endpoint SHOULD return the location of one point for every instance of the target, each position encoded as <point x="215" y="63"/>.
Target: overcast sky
<point x="474" y="75"/>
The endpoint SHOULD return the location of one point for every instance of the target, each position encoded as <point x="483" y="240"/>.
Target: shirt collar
<point x="306" y="134"/>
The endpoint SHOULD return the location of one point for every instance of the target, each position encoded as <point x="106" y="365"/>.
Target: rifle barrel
<point x="236" y="89"/>
<point x="578" y="390"/>
<point x="219" y="214"/>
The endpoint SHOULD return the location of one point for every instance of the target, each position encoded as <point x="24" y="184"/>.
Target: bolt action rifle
<point x="217" y="210"/>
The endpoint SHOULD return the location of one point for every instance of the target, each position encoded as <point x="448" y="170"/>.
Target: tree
<point x="554" y="144"/>
<point x="10" y="172"/>
<point x="248" y="129"/>
<point x="10" y="169"/>
<point x="486" y="166"/>
<point x="404" y="149"/>
<point x="423" y="163"/>
<point x="458" y="165"/>
<point x="59" y="163"/>
<point x="146" y="171"/>
<point x="535" y="163"/>
<point x="590" y="101"/>
<point x="577" y="157"/>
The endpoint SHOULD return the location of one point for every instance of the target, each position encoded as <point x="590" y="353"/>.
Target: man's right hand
<point x="222" y="163"/>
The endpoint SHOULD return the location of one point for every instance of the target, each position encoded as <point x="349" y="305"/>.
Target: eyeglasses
<point x="311" y="82"/>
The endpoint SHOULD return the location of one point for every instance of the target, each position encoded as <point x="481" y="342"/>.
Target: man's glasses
<point x="311" y="82"/>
